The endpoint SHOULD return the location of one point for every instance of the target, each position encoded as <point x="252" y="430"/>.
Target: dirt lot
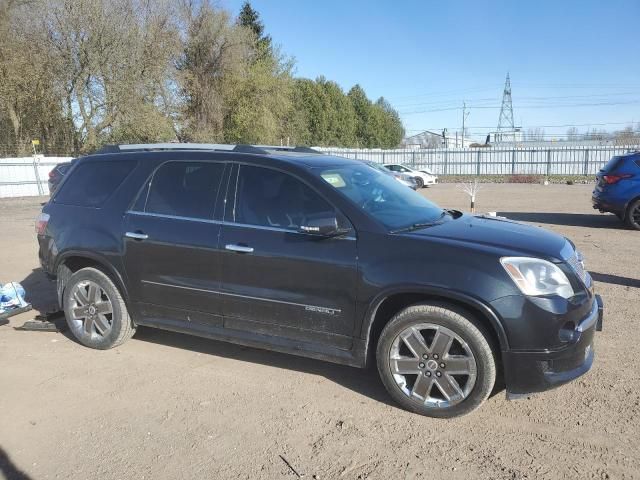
<point x="166" y="405"/>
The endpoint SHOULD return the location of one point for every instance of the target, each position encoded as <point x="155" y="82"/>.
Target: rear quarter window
<point x="91" y="184"/>
<point x="612" y="164"/>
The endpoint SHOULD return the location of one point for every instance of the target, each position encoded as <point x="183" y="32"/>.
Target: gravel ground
<point x="166" y="405"/>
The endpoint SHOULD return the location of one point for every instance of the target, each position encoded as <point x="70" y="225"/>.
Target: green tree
<point x="215" y="55"/>
<point x="392" y="130"/>
<point x="250" y="18"/>
<point x="362" y="107"/>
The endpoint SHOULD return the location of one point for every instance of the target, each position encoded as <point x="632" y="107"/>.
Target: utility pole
<point x="464" y="117"/>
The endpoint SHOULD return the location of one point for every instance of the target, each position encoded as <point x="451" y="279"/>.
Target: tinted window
<point x="63" y="168"/>
<point x="274" y="199"/>
<point x="92" y="183"/>
<point x="185" y="189"/>
<point x="612" y="164"/>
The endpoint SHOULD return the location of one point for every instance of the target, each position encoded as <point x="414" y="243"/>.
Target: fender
<point x="436" y="291"/>
<point x="99" y="259"/>
<point x="629" y="202"/>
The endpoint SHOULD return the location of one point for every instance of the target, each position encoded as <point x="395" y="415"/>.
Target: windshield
<point x="387" y="200"/>
<point x="379" y="167"/>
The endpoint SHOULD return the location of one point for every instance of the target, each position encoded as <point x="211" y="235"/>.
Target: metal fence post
<point x="446" y="162"/>
<point x="413" y="159"/>
<point x="37" y="175"/>
<point x="586" y="162"/>
<point x="548" y="162"/>
<point x="478" y="163"/>
<point x="513" y="162"/>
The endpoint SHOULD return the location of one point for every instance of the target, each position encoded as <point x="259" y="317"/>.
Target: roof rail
<point x="241" y="148"/>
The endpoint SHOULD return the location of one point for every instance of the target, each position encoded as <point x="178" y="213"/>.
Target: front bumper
<point x="534" y="371"/>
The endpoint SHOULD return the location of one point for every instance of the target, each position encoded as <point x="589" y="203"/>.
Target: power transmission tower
<point x="505" y="122"/>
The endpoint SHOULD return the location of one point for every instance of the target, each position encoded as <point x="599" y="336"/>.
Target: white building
<point x="429" y="139"/>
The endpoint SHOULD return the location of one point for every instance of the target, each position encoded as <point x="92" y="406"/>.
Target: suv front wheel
<point x="95" y="311"/>
<point x="436" y="361"/>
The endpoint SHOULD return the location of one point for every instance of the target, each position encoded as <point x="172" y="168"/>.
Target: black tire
<point x="460" y="323"/>
<point x="632" y="217"/>
<point x="121" y="327"/>
<point x="419" y="182"/>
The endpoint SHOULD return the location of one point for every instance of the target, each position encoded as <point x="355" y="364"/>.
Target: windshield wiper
<point x="418" y="225"/>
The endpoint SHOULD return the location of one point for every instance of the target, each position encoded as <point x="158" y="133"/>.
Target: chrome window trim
<point x="230" y="224"/>
<point x="172" y="217"/>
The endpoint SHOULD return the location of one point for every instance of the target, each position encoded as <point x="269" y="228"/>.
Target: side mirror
<point x="325" y="226"/>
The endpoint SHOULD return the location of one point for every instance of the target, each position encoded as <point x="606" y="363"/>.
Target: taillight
<point x="611" y="179"/>
<point x="41" y="223"/>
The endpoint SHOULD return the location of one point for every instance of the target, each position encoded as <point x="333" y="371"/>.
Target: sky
<point x="570" y="62"/>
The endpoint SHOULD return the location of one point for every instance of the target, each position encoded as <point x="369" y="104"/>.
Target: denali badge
<point x="328" y="311"/>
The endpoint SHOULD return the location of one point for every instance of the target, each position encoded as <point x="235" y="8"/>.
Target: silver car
<point x="403" y="178"/>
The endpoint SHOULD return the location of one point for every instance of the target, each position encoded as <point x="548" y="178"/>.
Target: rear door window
<point x="92" y="183"/>
<point x="184" y="189"/>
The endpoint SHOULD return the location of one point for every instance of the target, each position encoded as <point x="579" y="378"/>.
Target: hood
<point x="512" y="237"/>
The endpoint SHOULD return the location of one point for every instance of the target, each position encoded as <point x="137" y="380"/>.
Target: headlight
<point x="535" y="276"/>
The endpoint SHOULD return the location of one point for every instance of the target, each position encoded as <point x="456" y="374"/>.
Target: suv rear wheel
<point x="633" y="215"/>
<point x="436" y="361"/>
<point x="95" y="311"/>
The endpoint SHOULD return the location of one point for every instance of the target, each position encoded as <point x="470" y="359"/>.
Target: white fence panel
<point x="581" y="160"/>
<point x="26" y="176"/>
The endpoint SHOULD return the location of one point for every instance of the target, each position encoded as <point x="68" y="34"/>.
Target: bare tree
<point x="535" y="134"/>
<point x="573" y="134"/>
<point x="627" y="136"/>
<point x="471" y="189"/>
<point x="216" y="55"/>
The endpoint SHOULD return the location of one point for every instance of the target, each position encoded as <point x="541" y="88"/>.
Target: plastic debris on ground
<point x="12" y="301"/>
<point x="47" y="322"/>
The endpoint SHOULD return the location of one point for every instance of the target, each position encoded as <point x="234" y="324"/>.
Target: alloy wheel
<point x="433" y="365"/>
<point x="634" y="215"/>
<point x="91" y="310"/>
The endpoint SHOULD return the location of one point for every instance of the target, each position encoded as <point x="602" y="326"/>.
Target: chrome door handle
<point x="239" y="248"/>
<point x="136" y="236"/>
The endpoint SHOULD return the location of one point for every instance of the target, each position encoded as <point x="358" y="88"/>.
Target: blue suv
<point x="618" y="189"/>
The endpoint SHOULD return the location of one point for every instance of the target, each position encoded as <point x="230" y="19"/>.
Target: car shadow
<point x="9" y="470"/>
<point x="41" y="293"/>
<point x="615" y="279"/>
<point x="363" y="381"/>
<point x="570" y="219"/>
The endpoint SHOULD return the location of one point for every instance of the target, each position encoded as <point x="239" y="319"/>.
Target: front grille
<point x="576" y="263"/>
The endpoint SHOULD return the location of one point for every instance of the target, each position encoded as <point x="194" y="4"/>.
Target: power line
<point x="567" y="125"/>
<point x="549" y="106"/>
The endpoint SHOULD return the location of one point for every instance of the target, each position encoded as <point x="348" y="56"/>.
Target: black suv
<point x="295" y="251"/>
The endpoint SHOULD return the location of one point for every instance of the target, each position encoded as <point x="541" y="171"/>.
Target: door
<point x="172" y="255"/>
<point x="277" y="280"/>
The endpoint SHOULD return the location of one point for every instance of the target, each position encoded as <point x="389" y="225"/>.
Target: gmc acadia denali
<point x="291" y="250"/>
